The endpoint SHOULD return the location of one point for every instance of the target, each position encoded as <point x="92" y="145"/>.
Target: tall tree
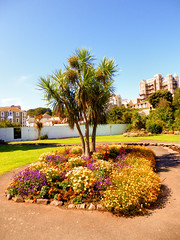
<point x="176" y="99"/>
<point x="163" y="114"/>
<point x="82" y="90"/>
<point x="99" y="95"/>
<point x="176" y="105"/>
<point x="37" y="111"/>
<point x="156" y="96"/>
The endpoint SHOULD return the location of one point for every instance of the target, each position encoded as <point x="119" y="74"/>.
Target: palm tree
<point x="100" y="95"/>
<point x="38" y="124"/>
<point x="82" y="90"/>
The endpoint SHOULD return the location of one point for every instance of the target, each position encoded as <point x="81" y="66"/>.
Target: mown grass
<point x="15" y="156"/>
<point x="163" y="138"/>
<point x="12" y="157"/>
<point x="112" y="138"/>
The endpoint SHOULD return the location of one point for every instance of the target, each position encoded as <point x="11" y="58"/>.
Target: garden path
<point x="22" y="221"/>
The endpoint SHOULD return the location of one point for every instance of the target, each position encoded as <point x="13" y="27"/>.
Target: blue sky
<point x="38" y="36"/>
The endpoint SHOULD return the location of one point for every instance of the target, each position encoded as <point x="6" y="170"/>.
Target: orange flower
<point x="50" y="191"/>
<point x="35" y="200"/>
<point x="72" y="196"/>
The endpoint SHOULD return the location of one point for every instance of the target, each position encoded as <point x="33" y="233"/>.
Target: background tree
<point x="163" y="114"/>
<point x="129" y="116"/>
<point x="81" y="91"/>
<point x="176" y="99"/>
<point x="38" y="111"/>
<point x="38" y="124"/>
<point x="7" y="124"/>
<point x="119" y="115"/>
<point x="176" y="105"/>
<point x="155" y="97"/>
<point x="137" y="121"/>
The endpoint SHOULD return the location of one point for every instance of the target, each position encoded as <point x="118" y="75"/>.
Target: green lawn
<point x="164" y="138"/>
<point x="12" y="157"/>
<point x="112" y="138"/>
<point x="15" y="156"/>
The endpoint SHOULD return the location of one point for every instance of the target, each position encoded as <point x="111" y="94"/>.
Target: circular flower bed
<point x="121" y="178"/>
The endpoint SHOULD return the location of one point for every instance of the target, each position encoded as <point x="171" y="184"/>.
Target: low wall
<point x="7" y="134"/>
<point x="61" y="131"/>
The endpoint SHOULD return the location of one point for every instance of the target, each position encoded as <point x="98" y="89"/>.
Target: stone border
<point x="56" y="203"/>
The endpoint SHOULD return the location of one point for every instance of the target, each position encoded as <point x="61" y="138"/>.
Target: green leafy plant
<point x="154" y="127"/>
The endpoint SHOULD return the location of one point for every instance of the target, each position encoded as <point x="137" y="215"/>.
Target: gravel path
<point x="22" y="221"/>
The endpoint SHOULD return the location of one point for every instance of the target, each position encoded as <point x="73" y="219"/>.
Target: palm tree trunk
<point x="87" y="148"/>
<point x="39" y="133"/>
<point x="93" y="137"/>
<point x="81" y="137"/>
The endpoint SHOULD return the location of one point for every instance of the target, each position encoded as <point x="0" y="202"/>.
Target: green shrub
<point x="154" y="127"/>
<point x="43" y="137"/>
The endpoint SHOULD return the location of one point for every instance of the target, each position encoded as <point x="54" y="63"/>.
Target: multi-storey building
<point x="147" y="87"/>
<point x="13" y="114"/>
<point x="115" y="100"/>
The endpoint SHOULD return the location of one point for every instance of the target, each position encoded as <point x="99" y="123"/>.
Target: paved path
<point x="20" y="221"/>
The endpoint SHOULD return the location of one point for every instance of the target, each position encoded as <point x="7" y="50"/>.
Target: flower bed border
<point x="87" y="206"/>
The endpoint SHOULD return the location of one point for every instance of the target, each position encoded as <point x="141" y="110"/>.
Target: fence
<point x="60" y="131"/>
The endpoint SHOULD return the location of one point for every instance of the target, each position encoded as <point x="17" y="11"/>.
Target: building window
<point x="10" y="113"/>
<point x="17" y="114"/>
<point x="17" y="119"/>
<point x="2" y="114"/>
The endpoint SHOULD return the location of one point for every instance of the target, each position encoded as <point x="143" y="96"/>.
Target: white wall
<point x="7" y="134"/>
<point x="61" y="131"/>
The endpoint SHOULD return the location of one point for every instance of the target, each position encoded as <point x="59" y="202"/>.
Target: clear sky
<point x="37" y="37"/>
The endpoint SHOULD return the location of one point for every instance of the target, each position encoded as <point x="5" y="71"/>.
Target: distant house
<point x="143" y="106"/>
<point x="13" y="114"/>
<point x="125" y="102"/>
<point x="30" y="121"/>
<point x="115" y="100"/>
<point x="47" y="120"/>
